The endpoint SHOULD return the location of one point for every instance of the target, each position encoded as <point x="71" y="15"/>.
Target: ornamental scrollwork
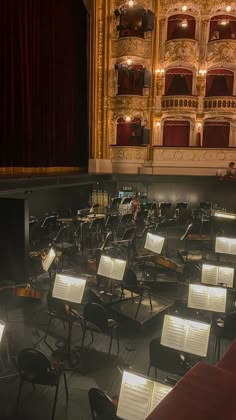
<point x="128" y="153"/>
<point x="131" y="46"/>
<point x="182" y="51"/>
<point x="221" y="53"/>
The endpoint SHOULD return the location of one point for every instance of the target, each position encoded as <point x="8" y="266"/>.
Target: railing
<point x="188" y="103"/>
<point x="225" y="103"/>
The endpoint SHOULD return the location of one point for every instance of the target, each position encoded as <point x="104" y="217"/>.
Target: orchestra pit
<point x="117" y="210"/>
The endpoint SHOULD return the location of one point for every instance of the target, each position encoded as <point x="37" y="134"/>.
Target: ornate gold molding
<point x="131" y="47"/>
<point x="221" y="53"/>
<point x="191" y="155"/>
<point x="181" y="51"/>
<point x="218" y="104"/>
<point x="135" y="154"/>
<point x="186" y="103"/>
<point x="128" y="103"/>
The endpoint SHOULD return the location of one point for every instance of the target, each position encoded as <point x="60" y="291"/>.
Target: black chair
<point x="131" y="283"/>
<point x="95" y="319"/>
<point x="101" y="405"/>
<point x="224" y="328"/>
<point x="166" y="359"/>
<point x="65" y="240"/>
<point x="35" y="367"/>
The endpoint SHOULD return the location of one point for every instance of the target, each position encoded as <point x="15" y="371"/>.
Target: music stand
<point x="111" y="268"/>
<point x="225" y="245"/>
<point x="208" y="298"/>
<point x="47" y="262"/>
<point x="154" y="243"/>
<point x="217" y="275"/>
<point x="2" y="327"/>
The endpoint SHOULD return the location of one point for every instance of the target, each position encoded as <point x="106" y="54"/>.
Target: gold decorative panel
<point x="119" y="153"/>
<point x="186" y="103"/>
<point x="131" y="47"/>
<point x="192" y="155"/>
<point x="221" y="53"/>
<point x="220" y="104"/>
<point x="181" y="52"/>
<point x="128" y="102"/>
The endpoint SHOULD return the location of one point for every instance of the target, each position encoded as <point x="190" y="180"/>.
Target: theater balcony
<point x="214" y="105"/>
<point x="221" y="52"/>
<point x="128" y="160"/>
<point x="181" y="51"/>
<point x="179" y="102"/>
<point x="131" y="47"/>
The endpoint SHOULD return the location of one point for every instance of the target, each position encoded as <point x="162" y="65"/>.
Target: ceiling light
<point x="127" y="118"/>
<point x="228" y="8"/>
<point x="223" y="22"/>
<point x="184" y="23"/>
<point x="184" y="8"/>
<point x="130" y="3"/>
<point x="129" y="61"/>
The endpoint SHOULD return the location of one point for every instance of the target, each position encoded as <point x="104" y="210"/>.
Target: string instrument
<point x="23" y="291"/>
<point x="164" y="262"/>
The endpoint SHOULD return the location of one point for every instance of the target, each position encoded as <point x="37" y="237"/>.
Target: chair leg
<point x="83" y="337"/>
<point x="140" y="300"/>
<point x="19" y="395"/>
<point x="110" y="344"/>
<point x="47" y="330"/>
<point x="66" y="386"/>
<point x="118" y="339"/>
<point x="55" y="400"/>
<point x="150" y="299"/>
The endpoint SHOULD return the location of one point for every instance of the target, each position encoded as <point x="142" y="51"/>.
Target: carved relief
<point x="221" y="53"/>
<point x="184" y="155"/>
<point x="128" y="153"/>
<point x="131" y="46"/>
<point x="181" y="52"/>
<point x="128" y="103"/>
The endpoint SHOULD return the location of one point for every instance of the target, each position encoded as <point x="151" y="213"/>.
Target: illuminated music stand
<point x="111" y="268"/>
<point x="225" y="245"/>
<point x="217" y="275"/>
<point x="47" y="262"/>
<point x="154" y="243"/>
<point x="208" y="298"/>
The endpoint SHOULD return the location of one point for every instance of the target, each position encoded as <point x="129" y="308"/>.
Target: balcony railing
<point x="181" y="50"/>
<point x="223" y="103"/>
<point x="187" y="103"/>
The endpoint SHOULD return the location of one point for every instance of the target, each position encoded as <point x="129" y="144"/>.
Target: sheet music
<point x="2" y="326"/>
<point x="173" y="332"/>
<point x="197" y="338"/>
<point x="226" y="276"/>
<point x="197" y="296"/>
<point x="112" y="268"/>
<point x="139" y="396"/>
<point x="68" y="288"/>
<point x="159" y="392"/>
<point x="225" y="245"/>
<point x="209" y="274"/>
<point x="207" y="297"/>
<point x="154" y="243"/>
<point x="48" y="260"/>
<point x="135" y="397"/>
<point x="192" y="336"/>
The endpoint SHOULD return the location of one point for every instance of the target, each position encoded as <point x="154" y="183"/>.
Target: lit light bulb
<point x="228" y="8"/>
<point x="129" y="61"/>
<point x="158" y="124"/>
<point x="130" y="3"/>
<point x="224" y="22"/>
<point x="184" y="8"/>
<point x="127" y="118"/>
<point x="184" y="23"/>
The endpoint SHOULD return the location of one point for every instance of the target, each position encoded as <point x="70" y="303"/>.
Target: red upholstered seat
<point x="228" y="360"/>
<point x="204" y="393"/>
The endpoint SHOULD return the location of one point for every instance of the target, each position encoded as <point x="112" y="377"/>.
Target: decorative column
<point x="201" y="86"/>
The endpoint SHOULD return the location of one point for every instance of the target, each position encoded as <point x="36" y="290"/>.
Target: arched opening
<point x="181" y="26"/>
<point x="222" y="27"/>
<point x="219" y="82"/>
<point x="131" y="80"/>
<point x="176" y="133"/>
<point x="129" y="133"/>
<point x="216" y="134"/>
<point x="178" y="81"/>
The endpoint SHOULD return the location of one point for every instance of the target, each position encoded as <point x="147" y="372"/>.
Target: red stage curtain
<point x="176" y="133"/>
<point x="178" y="81"/>
<point x="216" y="134"/>
<point x="176" y="31"/>
<point x="43" y="83"/>
<point x="218" y="31"/>
<point x="128" y="134"/>
<point x="219" y="82"/>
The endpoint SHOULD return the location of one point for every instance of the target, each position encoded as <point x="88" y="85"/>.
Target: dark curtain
<point x="178" y="82"/>
<point x="43" y="83"/>
<point x="175" y="30"/>
<point x="128" y="134"/>
<point x="131" y="24"/>
<point x="131" y="81"/>
<point x="176" y="133"/>
<point x="219" y="82"/>
<point x="216" y="134"/>
<point x="218" y="31"/>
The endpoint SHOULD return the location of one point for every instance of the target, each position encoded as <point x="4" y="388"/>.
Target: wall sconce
<point x="130" y="3"/>
<point x="184" y="23"/>
<point x="228" y="8"/>
<point x="202" y="72"/>
<point x="129" y="62"/>
<point x="160" y="72"/>
<point x="127" y="118"/>
<point x="158" y="124"/>
<point x="184" y="8"/>
<point x="199" y="126"/>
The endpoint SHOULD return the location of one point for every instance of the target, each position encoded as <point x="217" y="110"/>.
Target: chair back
<point x="33" y="365"/>
<point x="65" y="233"/>
<point x="128" y="234"/>
<point x="165" y="358"/>
<point x="101" y="404"/>
<point x="129" y="281"/>
<point x="230" y="325"/>
<point x="96" y="314"/>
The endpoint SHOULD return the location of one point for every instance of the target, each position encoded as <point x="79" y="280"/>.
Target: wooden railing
<point x="181" y="102"/>
<point x="223" y="103"/>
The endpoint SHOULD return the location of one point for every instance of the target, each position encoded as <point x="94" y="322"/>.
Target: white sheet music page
<point x="159" y="392"/>
<point x="226" y="276"/>
<point x="232" y="246"/>
<point x="222" y="245"/>
<point x="154" y="243"/>
<point x="197" y="338"/>
<point x="48" y="260"/>
<point x="209" y="274"/>
<point x="217" y="299"/>
<point x="68" y="288"/>
<point x="173" y="332"/>
<point x="197" y="296"/>
<point x="135" y="397"/>
<point x="112" y="268"/>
